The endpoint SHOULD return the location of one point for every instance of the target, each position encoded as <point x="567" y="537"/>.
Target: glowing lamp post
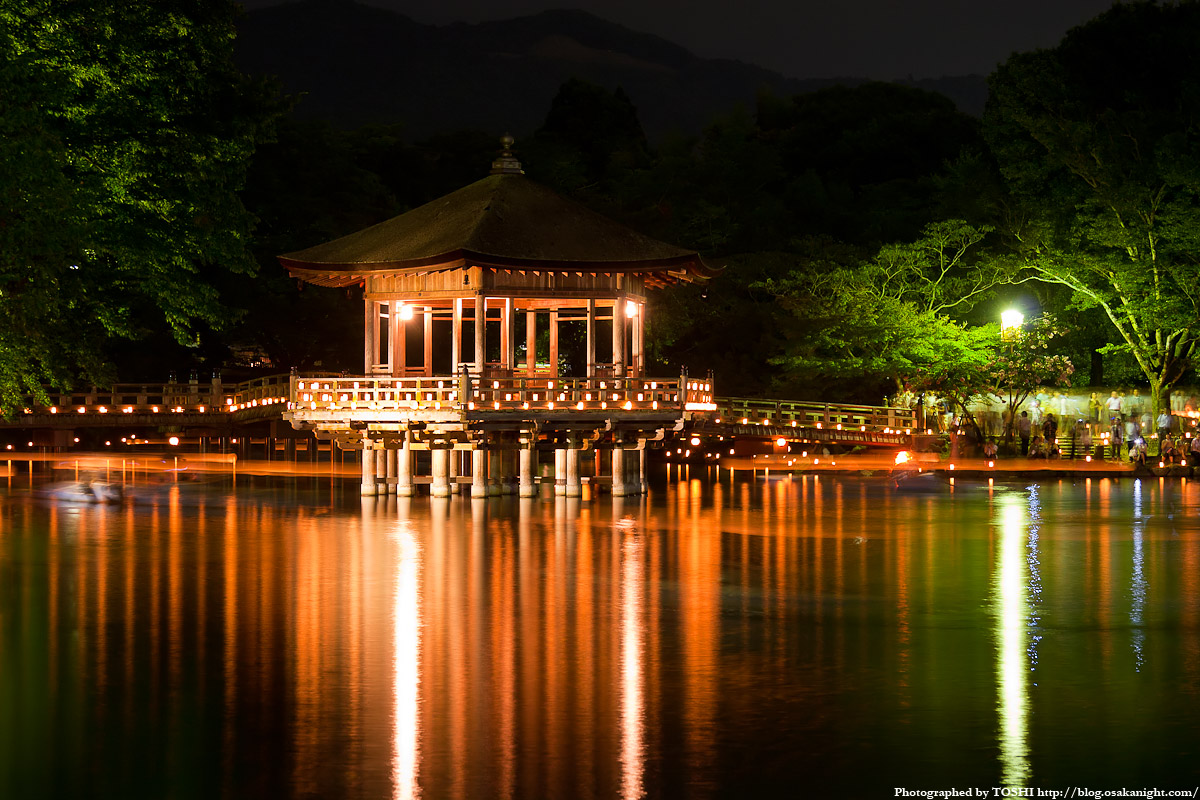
<point x="1010" y="325"/>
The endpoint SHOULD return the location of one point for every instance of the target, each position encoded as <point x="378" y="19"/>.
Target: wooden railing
<point x="749" y="411"/>
<point x="469" y="393"/>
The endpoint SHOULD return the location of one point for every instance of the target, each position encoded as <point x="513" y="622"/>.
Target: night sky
<point x="882" y="39"/>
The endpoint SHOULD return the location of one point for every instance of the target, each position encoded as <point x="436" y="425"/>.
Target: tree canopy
<point x="124" y="138"/>
<point x="1098" y="140"/>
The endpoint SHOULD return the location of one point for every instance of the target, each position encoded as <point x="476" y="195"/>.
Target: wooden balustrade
<point x="747" y="411"/>
<point x="474" y="393"/>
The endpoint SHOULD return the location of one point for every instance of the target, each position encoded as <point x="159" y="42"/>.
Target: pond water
<point x="812" y="636"/>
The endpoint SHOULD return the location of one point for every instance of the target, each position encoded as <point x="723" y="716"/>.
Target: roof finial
<point x="506" y="163"/>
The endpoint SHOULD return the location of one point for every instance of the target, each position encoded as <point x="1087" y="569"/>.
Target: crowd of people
<point x="1055" y="425"/>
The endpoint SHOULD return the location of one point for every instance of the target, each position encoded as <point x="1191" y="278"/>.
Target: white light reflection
<point x="1138" y="582"/>
<point x="1012" y="638"/>
<point x="633" y="757"/>
<point x="406" y="667"/>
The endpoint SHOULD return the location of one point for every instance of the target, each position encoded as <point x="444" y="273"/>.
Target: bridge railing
<point x="748" y="411"/>
<point x="475" y="393"/>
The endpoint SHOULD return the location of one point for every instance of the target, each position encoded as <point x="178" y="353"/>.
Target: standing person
<point x="1164" y="428"/>
<point x="1094" y="408"/>
<point x="1113" y="405"/>
<point x="1024" y="428"/>
<point x="1133" y="403"/>
<point x="1050" y="430"/>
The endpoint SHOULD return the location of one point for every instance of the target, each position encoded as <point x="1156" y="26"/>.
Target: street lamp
<point x="1010" y="324"/>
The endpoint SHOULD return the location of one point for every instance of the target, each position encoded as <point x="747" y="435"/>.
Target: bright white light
<point x="1011" y="319"/>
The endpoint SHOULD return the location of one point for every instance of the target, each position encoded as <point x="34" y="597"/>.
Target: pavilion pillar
<point x="440" y="467"/>
<point x="560" y="471"/>
<point x="591" y="338"/>
<point x="573" y="487"/>
<point x="396" y="332"/>
<point x="508" y="338"/>
<point x="480" y="331"/>
<point x="554" y="343"/>
<point x="636" y="367"/>
<point x="531" y="341"/>
<point x="527" y="468"/>
<point x="428" y="355"/>
<point x="619" y="477"/>
<point x="369" y="325"/>
<point x="618" y="337"/>
<point x="404" y="476"/>
<point x="479" y="487"/>
<point x="368" y="470"/>
<point x="456" y="340"/>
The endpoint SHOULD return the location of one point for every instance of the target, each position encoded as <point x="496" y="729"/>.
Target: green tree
<point x="977" y="364"/>
<point x="1099" y="142"/>
<point x="891" y="317"/>
<point x="125" y="137"/>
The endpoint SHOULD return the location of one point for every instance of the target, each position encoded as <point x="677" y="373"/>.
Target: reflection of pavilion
<point x="445" y="285"/>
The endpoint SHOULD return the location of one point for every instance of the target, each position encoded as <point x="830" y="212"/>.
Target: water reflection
<point x="632" y="701"/>
<point x="406" y="675"/>
<point x="1137" y="587"/>
<point x="1012" y="638"/>
<point x="736" y="639"/>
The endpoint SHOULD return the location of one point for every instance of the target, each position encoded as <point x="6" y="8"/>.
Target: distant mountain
<point x="355" y="64"/>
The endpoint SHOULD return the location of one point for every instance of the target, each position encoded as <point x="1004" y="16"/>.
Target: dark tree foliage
<point x="1099" y="142"/>
<point x="124" y="138"/>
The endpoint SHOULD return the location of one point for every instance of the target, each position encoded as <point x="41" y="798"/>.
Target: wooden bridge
<point x="339" y="407"/>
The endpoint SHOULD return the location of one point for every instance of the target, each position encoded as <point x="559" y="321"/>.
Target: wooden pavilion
<point x="444" y="287"/>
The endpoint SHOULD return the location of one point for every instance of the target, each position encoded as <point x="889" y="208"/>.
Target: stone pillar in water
<point x="642" y="469"/>
<point x="619" y="478"/>
<point x="404" y="474"/>
<point x="495" y="470"/>
<point x="560" y="471"/>
<point x="479" y="486"/>
<point x="528" y="469"/>
<point x="368" y="470"/>
<point x="440" y="462"/>
<point x="454" y="457"/>
<point x="573" y="487"/>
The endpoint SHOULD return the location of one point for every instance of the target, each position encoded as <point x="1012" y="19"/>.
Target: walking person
<point x="1024" y="428"/>
<point x="1164" y="428"/>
